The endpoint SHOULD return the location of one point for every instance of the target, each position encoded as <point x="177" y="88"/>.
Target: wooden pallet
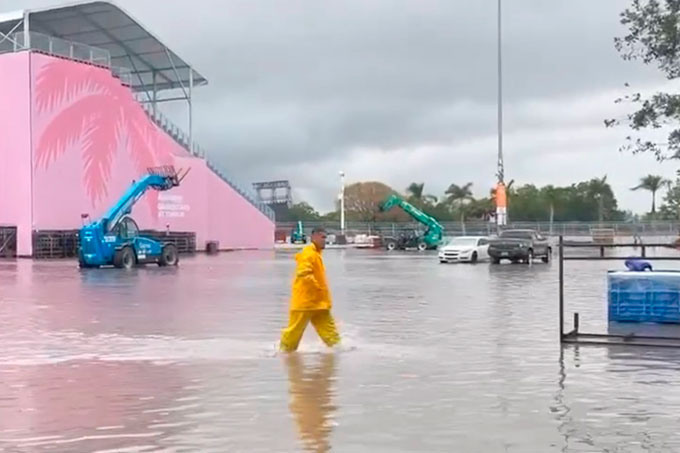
<point x="8" y="242"/>
<point x="184" y="241"/>
<point x="55" y="244"/>
<point x="58" y="244"/>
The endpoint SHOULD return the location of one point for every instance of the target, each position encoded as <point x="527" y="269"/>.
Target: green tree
<point x="459" y="194"/>
<point x="551" y="195"/>
<point x="598" y="188"/>
<point x="585" y="201"/>
<point x="302" y="211"/>
<point x="653" y="184"/>
<point x="458" y="197"/>
<point x="671" y="207"/>
<point x="653" y="34"/>
<point x="363" y="200"/>
<point x="416" y="195"/>
<point x="415" y="190"/>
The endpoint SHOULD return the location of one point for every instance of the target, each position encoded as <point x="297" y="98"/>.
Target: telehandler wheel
<point x="124" y="258"/>
<point x="422" y="246"/>
<point x="169" y="256"/>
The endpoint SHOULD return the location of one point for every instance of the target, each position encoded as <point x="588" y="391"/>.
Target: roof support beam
<point x="27" y="30"/>
<point x="84" y="32"/>
<point x="119" y="41"/>
<point x="8" y="37"/>
<point x="113" y="38"/>
<point x="191" y="110"/>
<point x="158" y="101"/>
<point x="155" y="52"/>
<point x="151" y="71"/>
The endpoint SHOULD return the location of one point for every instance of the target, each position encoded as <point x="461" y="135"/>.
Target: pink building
<point x="79" y="122"/>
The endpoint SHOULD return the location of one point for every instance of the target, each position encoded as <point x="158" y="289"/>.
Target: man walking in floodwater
<point x="311" y="300"/>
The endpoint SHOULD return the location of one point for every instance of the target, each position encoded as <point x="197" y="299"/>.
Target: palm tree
<point x="89" y="106"/>
<point x="599" y="187"/>
<point x="415" y="191"/>
<point x="551" y="195"/>
<point x="653" y="184"/>
<point x="458" y="196"/>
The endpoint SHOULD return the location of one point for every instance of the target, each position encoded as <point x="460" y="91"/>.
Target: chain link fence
<point x="555" y="229"/>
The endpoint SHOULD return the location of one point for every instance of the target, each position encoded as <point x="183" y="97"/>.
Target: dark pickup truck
<point x="519" y="246"/>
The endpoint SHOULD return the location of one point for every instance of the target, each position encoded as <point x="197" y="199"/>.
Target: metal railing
<point x="567" y="229"/>
<point x="245" y="193"/>
<point x="177" y="134"/>
<point x="196" y="150"/>
<point x="122" y="73"/>
<point x="57" y="47"/>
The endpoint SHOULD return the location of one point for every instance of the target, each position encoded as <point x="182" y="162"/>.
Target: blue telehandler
<point x="115" y="240"/>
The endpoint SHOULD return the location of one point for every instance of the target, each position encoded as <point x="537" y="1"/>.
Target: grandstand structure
<point x="277" y="195"/>
<point x="81" y="85"/>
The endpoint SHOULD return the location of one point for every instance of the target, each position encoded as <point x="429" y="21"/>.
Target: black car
<point x="519" y="246"/>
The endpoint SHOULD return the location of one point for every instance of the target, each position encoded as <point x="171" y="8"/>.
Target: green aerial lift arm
<point x="434" y="232"/>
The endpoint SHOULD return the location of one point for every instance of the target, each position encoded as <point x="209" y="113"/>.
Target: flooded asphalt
<point x="436" y="358"/>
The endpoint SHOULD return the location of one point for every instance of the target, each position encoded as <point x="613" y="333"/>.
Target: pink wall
<point x="15" y="147"/>
<point x="91" y="139"/>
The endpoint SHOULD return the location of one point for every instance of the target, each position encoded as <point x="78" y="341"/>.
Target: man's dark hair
<point x="318" y="230"/>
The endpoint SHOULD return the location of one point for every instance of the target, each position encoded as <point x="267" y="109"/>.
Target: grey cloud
<point x="297" y="87"/>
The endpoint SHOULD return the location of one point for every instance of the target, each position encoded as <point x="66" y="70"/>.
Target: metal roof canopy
<point x="105" y="25"/>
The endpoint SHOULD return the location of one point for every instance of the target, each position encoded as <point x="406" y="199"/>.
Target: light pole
<point x="501" y="200"/>
<point x="342" y="202"/>
<point x="500" y="163"/>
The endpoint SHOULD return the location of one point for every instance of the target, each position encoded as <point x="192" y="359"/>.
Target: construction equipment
<point x="115" y="240"/>
<point x="432" y="237"/>
<point x="298" y="234"/>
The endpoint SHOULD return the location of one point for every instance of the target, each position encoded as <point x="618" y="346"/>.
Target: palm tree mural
<point x="95" y="110"/>
<point x="653" y="184"/>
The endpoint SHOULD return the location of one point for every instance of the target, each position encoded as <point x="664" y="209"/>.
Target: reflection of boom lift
<point x="114" y="239"/>
<point x="430" y="240"/>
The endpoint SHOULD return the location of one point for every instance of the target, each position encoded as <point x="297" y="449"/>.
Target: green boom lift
<point x="298" y="235"/>
<point x="429" y="240"/>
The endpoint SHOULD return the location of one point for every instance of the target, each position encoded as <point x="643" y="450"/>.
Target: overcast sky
<point x="402" y="91"/>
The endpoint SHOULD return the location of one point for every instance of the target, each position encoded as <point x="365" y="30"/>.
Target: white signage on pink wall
<point x="170" y="205"/>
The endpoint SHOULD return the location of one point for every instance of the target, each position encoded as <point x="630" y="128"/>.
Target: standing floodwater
<point x="437" y="358"/>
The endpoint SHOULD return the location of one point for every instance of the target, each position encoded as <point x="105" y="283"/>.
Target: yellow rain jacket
<point x="310" y="288"/>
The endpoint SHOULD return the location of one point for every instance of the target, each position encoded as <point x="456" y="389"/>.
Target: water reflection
<point x="447" y="358"/>
<point x="598" y="384"/>
<point x="89" y="405"/>
<point x="311" y="391"/>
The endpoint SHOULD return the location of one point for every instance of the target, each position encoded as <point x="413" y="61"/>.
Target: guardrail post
<point x="576" y="323"/>
<point x="561" y="286"/>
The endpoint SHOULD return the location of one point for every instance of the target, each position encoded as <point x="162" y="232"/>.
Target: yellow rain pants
<point x="323" y="322"/>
